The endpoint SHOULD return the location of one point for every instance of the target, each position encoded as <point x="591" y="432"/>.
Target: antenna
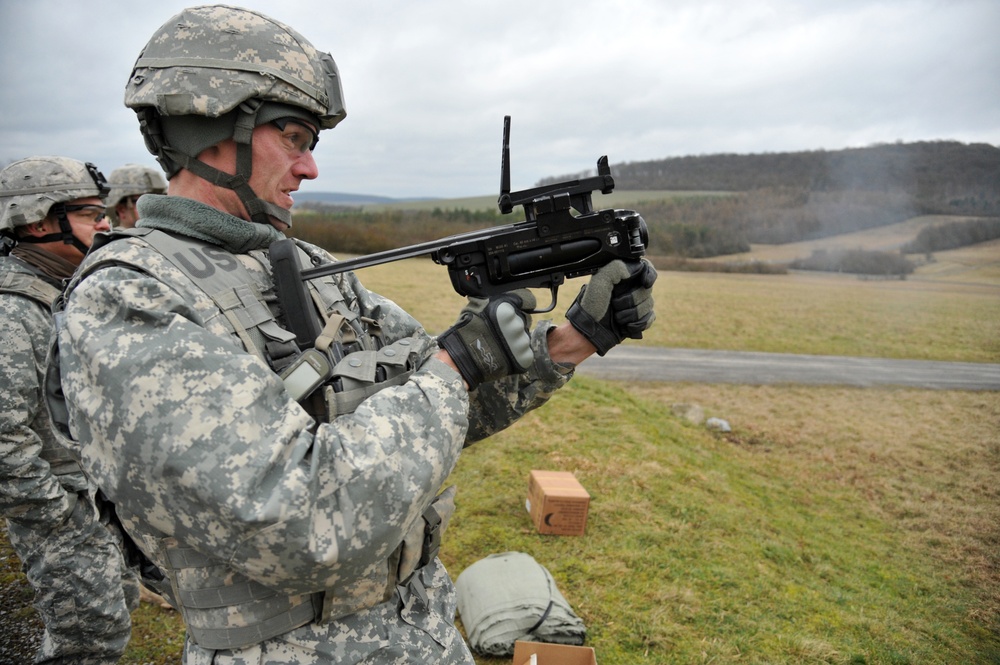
<point x="504" y="200"/>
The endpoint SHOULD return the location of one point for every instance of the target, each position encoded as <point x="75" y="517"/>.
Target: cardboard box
<point x="557" y="503"/>
<point x="540" y="653"/>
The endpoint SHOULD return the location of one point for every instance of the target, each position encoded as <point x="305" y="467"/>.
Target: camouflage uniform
<point x="200" y="447"/>
<point x="70" y="558"/>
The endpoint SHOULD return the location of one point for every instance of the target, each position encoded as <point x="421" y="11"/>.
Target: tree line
<point x="951" y="235"/>
<point x="939" y="177"/>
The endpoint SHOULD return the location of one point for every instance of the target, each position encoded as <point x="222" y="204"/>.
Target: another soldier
<point x="289" y="529"/>
<point x="127" y="184"/>
<point x="51" y="209"/>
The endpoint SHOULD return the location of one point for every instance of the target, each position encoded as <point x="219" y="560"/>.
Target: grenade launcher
<point x="548" y="247"/>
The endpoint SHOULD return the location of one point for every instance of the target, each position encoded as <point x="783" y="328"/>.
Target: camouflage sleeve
<point x="30" y="491"/>
<point x="200" y="441"/>
<point x="395" y="322"/>
<point x="495" y="406"/>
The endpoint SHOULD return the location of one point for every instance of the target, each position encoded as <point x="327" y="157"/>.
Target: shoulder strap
<point x="29" y="286"/>
<point x="227" y="282"/>
<point x="341" y="323"/>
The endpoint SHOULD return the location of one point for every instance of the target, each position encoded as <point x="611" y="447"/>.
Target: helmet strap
<point x="7" y="242"/>
<point x="65" y="234"/>
<point x="259" y="210"/>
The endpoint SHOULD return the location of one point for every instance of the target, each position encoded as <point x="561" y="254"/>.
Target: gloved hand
<point x="490" y="340"/>
<point x="617" y="303"/>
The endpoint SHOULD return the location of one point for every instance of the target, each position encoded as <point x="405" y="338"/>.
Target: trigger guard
<point x="554" y="290"/>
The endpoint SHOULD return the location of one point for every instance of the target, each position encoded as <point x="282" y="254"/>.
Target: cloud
<point x="427" y="84"/>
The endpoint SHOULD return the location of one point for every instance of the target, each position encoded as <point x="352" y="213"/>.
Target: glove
<point x="490" y="340"/>
<point x="617" y="303"/>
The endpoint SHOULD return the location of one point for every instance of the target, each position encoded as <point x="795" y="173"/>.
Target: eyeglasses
<point x="91" y="213"/>
<point x="300" y="136"/>
<point x="132" y="200"/>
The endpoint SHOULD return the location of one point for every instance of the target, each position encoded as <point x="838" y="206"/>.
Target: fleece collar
<point x="176" y="214"/>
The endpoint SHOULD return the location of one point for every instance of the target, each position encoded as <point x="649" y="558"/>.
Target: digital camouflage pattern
<point x="206" y="61"/>
<point x="29" y="187"/>
<point x="69" y="557"/>
<point x="196" y="440"/>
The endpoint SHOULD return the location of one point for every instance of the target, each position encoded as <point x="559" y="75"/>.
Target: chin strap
<point x="65" y="232"/>
<point x="260" y="211"/>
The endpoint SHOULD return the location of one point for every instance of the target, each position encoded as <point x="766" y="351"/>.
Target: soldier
<point x="127" y="184"/>
<point x="287" y="531"/>
<point x="51" y="209"/>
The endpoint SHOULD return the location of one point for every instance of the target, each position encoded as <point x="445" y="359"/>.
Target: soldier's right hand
<point x="491" y="338"/>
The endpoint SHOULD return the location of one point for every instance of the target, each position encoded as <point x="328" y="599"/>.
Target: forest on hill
<point x="734" y="200"/>
<point x="941" y="177"/>
<point x="778" y="198"/>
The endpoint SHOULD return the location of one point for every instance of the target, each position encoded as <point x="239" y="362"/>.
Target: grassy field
<point x="930" y="316"/>
<point x="880" y="239"/>
<point x="832" y="525"/>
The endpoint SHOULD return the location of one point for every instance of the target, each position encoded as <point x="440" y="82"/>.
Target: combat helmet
<point x="134" y="180"/>
<point x="31" y="188"/>
<point x="215" y="72"/>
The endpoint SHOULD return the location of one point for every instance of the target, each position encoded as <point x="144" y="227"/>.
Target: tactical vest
<point x="61" y="462"/>
<point x="221" y="607"/>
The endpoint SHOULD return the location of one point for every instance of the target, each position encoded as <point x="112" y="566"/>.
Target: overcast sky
<point x="427" y="83"/>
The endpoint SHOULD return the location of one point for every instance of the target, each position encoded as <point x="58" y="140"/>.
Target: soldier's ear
<point x="36" y="229"/>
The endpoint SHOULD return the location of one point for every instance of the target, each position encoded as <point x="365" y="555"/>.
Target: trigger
<point x="554" y="290"/>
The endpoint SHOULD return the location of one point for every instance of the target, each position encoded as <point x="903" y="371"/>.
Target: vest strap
<point x="30" y="287"/>
<point x="224" y="609"/>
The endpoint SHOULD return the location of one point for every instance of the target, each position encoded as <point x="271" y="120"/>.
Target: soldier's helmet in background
<point x="134" y="180"/>
<point x="30" y="187"/>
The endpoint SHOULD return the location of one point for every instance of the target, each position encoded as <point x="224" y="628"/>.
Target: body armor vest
<point x="61" y="462"/>
<point x="222" y="608"/>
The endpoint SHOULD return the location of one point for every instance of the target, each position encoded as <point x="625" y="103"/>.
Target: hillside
<point x="939" y="177"/>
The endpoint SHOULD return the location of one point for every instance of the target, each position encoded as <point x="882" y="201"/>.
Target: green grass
<point x="711" y="548"/>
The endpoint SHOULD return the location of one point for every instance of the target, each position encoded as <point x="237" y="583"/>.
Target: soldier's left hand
<point x="491" y="338"/>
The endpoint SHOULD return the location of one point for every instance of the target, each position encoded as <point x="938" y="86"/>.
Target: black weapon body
<point x="551" y="245"/>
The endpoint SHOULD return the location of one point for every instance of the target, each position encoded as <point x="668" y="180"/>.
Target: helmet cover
<point x="134" y="180"/>
<point x="30" y="187"/>
<point x="214" y="67"/>
<point x="208" y="60"/>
